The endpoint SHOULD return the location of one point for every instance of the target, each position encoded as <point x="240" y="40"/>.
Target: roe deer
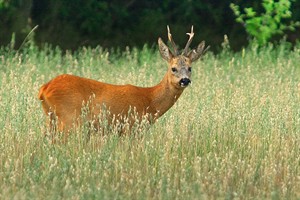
<point x="64" y="96"/>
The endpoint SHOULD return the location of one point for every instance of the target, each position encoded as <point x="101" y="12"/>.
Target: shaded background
<point x="120" y="23"/>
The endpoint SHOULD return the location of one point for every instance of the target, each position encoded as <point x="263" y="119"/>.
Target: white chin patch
<point x="182" y="85"/>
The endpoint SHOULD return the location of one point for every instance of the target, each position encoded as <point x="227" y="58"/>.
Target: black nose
<point x="184" y="82"/>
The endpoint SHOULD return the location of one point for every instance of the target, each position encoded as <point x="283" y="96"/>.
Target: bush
<point x="274" y="20"/>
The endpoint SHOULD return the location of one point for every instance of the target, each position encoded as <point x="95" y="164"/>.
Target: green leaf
<point x="268" y="6"/>
<point x="250" y="12"/>
<point x="235" y="9"/>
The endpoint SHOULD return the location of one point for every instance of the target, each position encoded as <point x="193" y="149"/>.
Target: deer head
<point x="180" y="63"/>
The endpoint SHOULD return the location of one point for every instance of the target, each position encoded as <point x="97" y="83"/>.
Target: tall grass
<point x="234" y="134"/>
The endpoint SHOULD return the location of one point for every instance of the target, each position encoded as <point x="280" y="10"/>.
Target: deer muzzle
<point x="184" y="82"/>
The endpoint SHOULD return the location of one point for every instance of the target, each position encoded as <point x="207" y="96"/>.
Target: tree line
<point x="120" y="23"/>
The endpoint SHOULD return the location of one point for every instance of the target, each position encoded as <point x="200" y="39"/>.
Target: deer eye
<point x="174" y="69"/>
<point x="189" y="69"/>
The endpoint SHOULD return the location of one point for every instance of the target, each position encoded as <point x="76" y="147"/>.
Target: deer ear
<point x="164" y="50"/>
<point x="195" y="54"/>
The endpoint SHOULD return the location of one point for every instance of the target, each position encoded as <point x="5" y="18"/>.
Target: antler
<point x="172" y="41"/>
<point x="191" y="34"/>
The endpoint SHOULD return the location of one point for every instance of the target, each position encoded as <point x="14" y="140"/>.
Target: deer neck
<point x="164" y="95"/>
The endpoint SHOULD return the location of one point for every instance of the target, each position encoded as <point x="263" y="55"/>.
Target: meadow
<point x="233" y="134"/>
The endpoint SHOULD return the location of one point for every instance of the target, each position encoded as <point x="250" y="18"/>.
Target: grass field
<point x="233" y="134"/>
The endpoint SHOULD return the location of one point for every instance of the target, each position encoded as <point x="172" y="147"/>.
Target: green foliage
<point x="115" y="23"/>
<point x="269" y="23"/>
<point x="4" y="4"/>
